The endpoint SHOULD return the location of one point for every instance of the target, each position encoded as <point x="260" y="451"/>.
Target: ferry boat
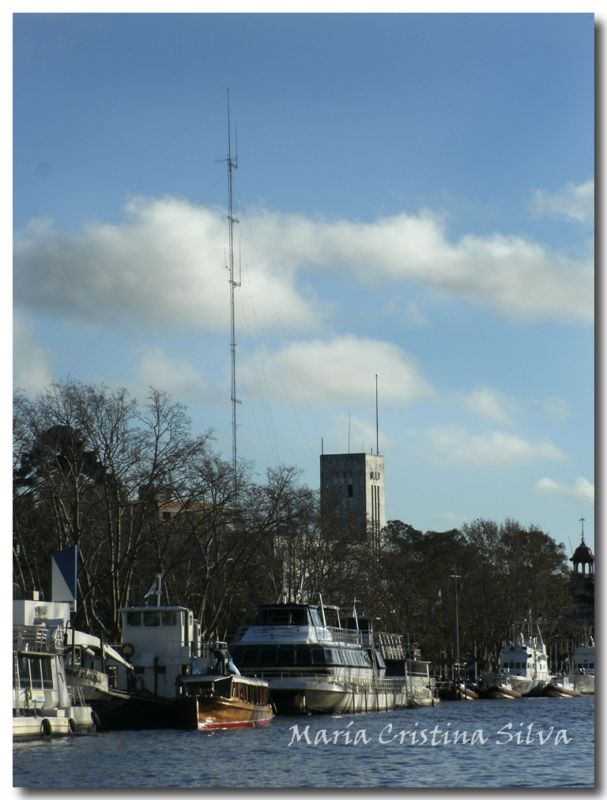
<point x="582" y="674"/>
<point x="524" y="662"/>
<point x="43" y="701"/>
<point x="312" y="667"/>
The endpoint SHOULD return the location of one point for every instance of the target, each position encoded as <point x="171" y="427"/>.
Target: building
<point x="352" y="490"/>
<point x="582" y="584"/>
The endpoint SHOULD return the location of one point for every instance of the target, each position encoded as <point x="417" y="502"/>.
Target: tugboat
<point x="312" y="667"/>
<point x="177" y="680"/>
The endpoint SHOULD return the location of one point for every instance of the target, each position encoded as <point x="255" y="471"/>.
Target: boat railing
<point x="320" y="678"/>
<point x="37" y="639"/>
<point x="341" y="635"/>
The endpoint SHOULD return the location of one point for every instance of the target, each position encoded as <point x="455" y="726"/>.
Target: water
<point x="500" y="745"/>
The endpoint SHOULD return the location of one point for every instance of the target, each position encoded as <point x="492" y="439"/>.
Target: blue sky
<point x="415" y="195"/>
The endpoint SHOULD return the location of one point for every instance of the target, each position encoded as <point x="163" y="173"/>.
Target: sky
<point x="415" y="201"/>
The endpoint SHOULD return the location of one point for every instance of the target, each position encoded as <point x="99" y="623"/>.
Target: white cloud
<point x="166" y="263"/>
<point x="491" y="448"/>
<point x="573" y="202"/>
<point x="31" y="360"/>
<point x="338" y="371"/>
<point x="489" y="403"/>
<point x="507" y="274"/>
<point x="582" y="490"/>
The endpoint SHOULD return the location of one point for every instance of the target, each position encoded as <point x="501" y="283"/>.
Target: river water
<point x="531" y="743"/>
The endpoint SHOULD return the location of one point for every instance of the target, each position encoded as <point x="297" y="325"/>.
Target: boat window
<point x="318" y="655"/>
<point x="151" y="619"/>
<point x="169" y="618"/>
<point x="285" y="657"/>
<point x="267" y="656"/>
<point x="133" y="618"/>
<point x="315" y="617"/>
<point x="245" y="657"/>
<point x="304" y="656"/>
<point x="299" y="616"/>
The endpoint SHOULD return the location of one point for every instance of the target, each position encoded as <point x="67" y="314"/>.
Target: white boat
<point x="312" y="667"/>
<point x="524" y="662"/>
<point x="582" y="673"/>
<point x="43" y="701"/>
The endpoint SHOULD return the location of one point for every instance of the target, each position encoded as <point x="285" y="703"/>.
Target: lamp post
<point x="456" y="576"/>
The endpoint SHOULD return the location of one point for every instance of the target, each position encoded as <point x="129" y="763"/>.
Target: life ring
<point x="128" y="650"/>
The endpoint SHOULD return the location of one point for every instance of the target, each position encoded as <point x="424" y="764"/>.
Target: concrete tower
<point x="352" y="490"/>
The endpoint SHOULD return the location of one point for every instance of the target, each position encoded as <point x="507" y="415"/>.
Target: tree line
<point x="139" y="493"/>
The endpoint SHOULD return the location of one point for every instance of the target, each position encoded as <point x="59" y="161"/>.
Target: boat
<point x="91" y="668"/>
<point x="176" y="679"/>
<point x="582" y="672"/>
<point x="524" y="661"/>
<point x="44" y="704"/>
<point x="560" y="686"/>
<point x="501" y="689"/>
<point x="221" y="702"/>
<point x="315" y="668"/>
<point x="458" y="689"/>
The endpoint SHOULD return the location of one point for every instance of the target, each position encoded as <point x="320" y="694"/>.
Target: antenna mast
<point x="376" y="419"/>
<point x="232" y="165"/>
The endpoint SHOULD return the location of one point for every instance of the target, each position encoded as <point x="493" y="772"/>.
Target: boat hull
<point x="224" y="715"/>
<point x="560" y="689"/>
<point x="315" y="696"/>
<point x="501" y="692"/>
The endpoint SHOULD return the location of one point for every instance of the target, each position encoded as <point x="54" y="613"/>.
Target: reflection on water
<point x="541" y="742"/>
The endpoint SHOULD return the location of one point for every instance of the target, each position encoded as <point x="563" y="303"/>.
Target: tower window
<point x="350" y="490"/>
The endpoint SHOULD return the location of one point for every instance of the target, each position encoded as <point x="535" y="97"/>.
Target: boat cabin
<point x="162" y="643"/>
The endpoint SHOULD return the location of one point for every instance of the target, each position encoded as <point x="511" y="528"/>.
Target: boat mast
<point x="232" y="164"/>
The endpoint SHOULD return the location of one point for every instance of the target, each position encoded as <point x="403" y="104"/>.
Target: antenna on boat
<point x="232" y="163"/>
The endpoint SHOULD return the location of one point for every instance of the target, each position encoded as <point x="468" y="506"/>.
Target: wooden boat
<point x="219" y="702"/>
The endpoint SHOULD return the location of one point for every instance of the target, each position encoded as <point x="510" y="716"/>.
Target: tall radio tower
<point x="232" y="163"/>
